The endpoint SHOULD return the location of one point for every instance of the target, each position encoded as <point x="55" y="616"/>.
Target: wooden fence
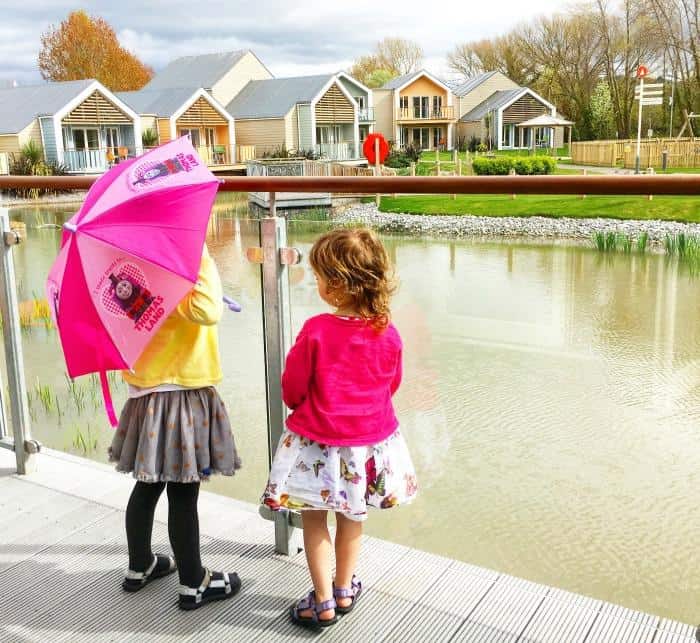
<point x="681" y="152"/>
<point x="602" y="153"/>
<point x="328" y="168"/>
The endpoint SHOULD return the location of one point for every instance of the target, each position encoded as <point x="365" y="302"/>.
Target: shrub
<point x="474" y="143"/>
<point x="32" y="152"/>
<point x="482" y="166"/>
<point x="522" y="165"/>
<point x="481" y="147"/>
<point x="24" y="165"/>
<point x="550" y="164"/>
<point x="149" y="137"/>
<point x="412" y="151"/>
<point x="397" y="159"/>
<point x="537" y="167"/>
<point x="502" y="165"/>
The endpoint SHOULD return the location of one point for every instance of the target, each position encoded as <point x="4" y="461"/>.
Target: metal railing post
<point x="277" y="334"/>
<point x="24" y="446"/>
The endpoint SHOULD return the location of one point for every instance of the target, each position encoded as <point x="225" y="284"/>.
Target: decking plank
<point x="63" y="553"/>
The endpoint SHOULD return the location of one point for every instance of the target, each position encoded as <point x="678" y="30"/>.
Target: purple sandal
<point x="353" y="593"/>
<point x="309" y="603"/>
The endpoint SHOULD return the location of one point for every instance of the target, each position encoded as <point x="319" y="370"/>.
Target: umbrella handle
<point x="232" y="304"/>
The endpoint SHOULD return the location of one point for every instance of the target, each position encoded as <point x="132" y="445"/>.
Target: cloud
<point x="292" y="38"/>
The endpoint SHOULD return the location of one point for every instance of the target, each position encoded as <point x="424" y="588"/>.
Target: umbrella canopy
<point x="545" y="120"/>
<point x="129" y="256"/>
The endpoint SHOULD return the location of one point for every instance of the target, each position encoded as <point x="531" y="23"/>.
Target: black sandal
<point x="353" y="593"/>
<point x="313" y="621"/>
<point x="216" y="586"/>
<point x="161" y="566"/>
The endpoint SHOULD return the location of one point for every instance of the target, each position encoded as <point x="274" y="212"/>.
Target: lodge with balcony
<point x="416" y="109"/>
<point x="79" y="125"/>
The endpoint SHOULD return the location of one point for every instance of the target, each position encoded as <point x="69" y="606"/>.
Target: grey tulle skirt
<point x="175" y="436"/>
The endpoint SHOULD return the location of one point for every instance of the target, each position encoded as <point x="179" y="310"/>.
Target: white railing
<point x="86" y="160"/>
<point x="365" y="114"/>
<point x="215" y="154"/>
<point x="97" y="160"/>
<point x="337" y="151"/>
<point x="245" y="153"/>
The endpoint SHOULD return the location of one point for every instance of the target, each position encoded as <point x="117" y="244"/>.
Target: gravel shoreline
<point x="539" y="227"/>
<point x="75" y="196"/>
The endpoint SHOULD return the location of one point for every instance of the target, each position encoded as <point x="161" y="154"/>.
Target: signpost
<point x="650" y="94"/>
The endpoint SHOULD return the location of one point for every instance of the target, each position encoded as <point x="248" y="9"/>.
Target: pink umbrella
<point x="128" y="257"/>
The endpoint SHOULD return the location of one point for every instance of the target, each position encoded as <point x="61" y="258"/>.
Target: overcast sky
<point x="290" y="37"/>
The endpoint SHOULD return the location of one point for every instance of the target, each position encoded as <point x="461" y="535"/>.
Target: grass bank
<point x="666" y="208"/>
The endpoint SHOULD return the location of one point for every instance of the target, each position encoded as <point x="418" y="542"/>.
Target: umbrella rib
<point x="136" y="254"/>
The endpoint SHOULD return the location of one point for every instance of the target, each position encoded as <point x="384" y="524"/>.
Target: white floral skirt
<point x="309" y="475"/>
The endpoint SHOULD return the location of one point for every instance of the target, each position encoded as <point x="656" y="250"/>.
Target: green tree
<point x="379" y="78"/>
<point x="602" y="114"/>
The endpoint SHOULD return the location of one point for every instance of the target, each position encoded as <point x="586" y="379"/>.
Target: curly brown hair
<point x="355" y="263"/>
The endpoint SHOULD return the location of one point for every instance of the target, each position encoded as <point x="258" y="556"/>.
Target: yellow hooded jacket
<point x="185" y="350"/>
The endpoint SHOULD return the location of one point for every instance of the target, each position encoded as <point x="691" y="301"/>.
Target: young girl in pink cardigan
<point x="342" y="450"/>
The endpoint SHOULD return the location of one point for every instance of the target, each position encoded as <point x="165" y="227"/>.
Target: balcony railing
<point x="215" y="154"/>
<point x="365" y="114"/>
<point x="344" y="151"/>
<point x="446" y="113"/>
<point x="97" y="160"/>
<point x="86" y="160"/>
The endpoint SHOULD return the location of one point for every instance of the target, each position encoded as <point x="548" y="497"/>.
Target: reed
<point x="642" y="242"/>
<point x="84" y="440"/>
<point x="45" y="395"/>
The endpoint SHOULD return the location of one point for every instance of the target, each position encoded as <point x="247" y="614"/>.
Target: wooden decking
<point x="62" y="555"/>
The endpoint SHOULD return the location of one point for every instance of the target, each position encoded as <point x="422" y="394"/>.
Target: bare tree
<point x="567" y="52"/>
<point x="628" y="40"/>
<point x="464" y="61"/>
<point x="399" y="55"/>
<point x="502" y="54"/>
<point x="678" y="29"/>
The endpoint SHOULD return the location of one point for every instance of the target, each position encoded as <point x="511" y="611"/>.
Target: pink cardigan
<point x="338" y="380"/>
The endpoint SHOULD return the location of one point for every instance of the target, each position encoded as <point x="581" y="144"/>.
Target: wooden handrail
<point x="674" y="184"/>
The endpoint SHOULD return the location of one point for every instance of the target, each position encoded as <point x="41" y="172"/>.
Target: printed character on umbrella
<point x="165" y="168"/>
<point x="132" y="298"/>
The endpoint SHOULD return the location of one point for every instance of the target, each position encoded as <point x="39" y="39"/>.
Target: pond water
<point x="551" y="401"/>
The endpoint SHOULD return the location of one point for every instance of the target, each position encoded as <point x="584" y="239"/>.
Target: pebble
<point x="540" y="227"/>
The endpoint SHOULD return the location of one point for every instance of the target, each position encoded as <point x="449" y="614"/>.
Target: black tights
<point x="183" y="527"/>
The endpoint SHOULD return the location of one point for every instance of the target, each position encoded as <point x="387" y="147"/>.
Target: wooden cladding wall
<point x="523" y="109"/>
<point x="200" y="113"/>
<point x="163" y="130"/>
<point x="334" y="107"/>
<point x="96" y="110"/>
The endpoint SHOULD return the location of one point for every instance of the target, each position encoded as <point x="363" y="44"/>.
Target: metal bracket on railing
<point x="12" y="238"/>
<point x="287" y="256"/>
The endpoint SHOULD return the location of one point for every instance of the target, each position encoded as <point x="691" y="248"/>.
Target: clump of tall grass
<point x="84" y="440"/>
<point x="77" y="394"/>
<point x="642" y="242"/>
<point x="625" y="241"/>
<point x="605" y="241"/>
<point x="46" y="396"/>
<point x="614" y="241"/>
<point x="686" y="248"/>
